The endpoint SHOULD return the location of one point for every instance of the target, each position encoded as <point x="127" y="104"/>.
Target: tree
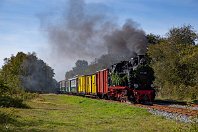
<point x="175" y="63"/>
<point x="26" y="71"/>
<point x="80" y="68"/>
<point x="3" y="87"/>
<point x="81" y="63"/>
<point x="11" y="71"/>
<point x="153" y="39"/>
<point x="182" y="35"/>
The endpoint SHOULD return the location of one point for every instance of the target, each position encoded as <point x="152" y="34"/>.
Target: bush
<point x="6" y="117"/>
<point x="7" y="101"/>
<point x="29" y="96"/>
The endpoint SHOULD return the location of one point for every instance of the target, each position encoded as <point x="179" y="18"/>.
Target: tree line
<point x="174" y="59"/>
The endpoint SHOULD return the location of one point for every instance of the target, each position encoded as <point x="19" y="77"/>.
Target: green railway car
<point x="73" y="85"/>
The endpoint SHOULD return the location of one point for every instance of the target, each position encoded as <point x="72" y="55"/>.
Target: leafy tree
<point x="37" y="75"/>
<point x="3" y="87"/>
<point x="26" y="71"/>
<point x="182" y="35"/>
<point x="80" y="68"/>
<point x="11" y="71"/>
<point x="153" y="39"/>
<point x="175" y="62"/>
<point x="81" y="63"/>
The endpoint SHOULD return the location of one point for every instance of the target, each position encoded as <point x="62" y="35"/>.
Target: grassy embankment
<point x="70" y="113"/>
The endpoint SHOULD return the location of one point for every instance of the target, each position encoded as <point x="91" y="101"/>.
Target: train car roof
<point x="72" y="78"/>
<point x="62" y="80"/>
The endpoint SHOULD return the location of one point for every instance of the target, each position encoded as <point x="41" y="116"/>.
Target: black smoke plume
<point x="80" y="34"/>
<point x="85" y="34"/>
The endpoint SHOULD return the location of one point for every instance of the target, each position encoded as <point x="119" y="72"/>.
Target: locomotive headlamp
<point x="135" y="85"/>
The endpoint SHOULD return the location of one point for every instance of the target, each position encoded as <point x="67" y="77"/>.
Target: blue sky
<point x="20" y="24"/>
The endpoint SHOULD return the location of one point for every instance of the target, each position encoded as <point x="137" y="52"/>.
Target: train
<point x="124" y="81"/>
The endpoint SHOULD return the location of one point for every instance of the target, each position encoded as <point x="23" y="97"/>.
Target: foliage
<point x="175" y="63"/>
<point x="153" y="39"/>
<point x="6" y="117"/>
<point x="37" y="75"/>
<point x="3" y="87"/>
<point x="182" y="35"/>
<point x="8" y="101"/>
<point x="9" y="75"/>
<point x="79" y="69"/>
<point x="116" y="79"/>
<point x="26" y="71"/>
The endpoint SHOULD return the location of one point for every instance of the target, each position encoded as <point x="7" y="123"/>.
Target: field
<point x="72" y="113"/>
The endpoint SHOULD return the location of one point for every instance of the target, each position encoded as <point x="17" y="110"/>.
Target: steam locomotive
<point x="124" y="81"/>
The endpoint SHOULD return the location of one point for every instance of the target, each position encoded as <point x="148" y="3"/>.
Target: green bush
<point x="7" y="101"/>
<point x="6" y="117"/>
<point x="29" y="96"/>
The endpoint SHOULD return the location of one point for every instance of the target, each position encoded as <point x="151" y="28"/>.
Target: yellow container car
<point x="88" y="84"/>
<point x="93" y="83"/>
<point x="81" y="84"/>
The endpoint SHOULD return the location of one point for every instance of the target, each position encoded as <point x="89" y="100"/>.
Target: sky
<point x="21" y="22"/>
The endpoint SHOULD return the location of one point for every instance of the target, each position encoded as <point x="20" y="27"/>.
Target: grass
<point x="72" y="113"/>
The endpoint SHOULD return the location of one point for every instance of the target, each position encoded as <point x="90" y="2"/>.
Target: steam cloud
<point x="80" y="34"/>
<point x="86" y="35"/>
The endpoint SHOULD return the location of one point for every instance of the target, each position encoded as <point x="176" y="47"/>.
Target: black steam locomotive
<point x="136" y="76"/>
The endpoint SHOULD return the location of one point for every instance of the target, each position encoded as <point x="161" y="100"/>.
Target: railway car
<point x="93" y="85"/>
<point x="102" y="83"/>
<point x="67" y="87"/>
<point x="88" y="85"/>
<point x="62" y="86"/>
<point x="81" y="84"/>
<point x="73" y="85"/>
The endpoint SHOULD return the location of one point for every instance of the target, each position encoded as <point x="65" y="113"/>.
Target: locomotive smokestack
<point x="141" y="59"/>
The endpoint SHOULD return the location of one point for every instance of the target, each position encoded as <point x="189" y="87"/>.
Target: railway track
<point x="181" y="111"/>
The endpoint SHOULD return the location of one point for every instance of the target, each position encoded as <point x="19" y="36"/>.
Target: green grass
<point x="71" y="113"/>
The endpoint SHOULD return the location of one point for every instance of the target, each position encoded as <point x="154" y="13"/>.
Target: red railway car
<point x="102" y="83"/>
